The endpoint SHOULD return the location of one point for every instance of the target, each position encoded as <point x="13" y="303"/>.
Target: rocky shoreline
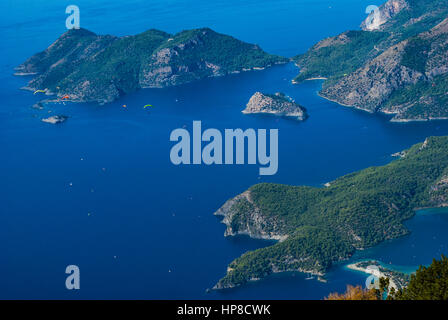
<point x="55" y="119"/>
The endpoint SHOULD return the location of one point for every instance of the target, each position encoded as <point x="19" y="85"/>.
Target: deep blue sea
<point x="99" y="191"/>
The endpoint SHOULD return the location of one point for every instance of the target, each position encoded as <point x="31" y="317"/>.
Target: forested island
<point x="396" y="65"/>
<point x="84" y="67"/>
<point x="317" y="227"/>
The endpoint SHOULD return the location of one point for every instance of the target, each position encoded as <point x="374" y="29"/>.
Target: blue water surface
<point x="100" y="192"/>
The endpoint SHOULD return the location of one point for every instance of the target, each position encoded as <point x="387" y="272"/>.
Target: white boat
<point x="310" y="277"/>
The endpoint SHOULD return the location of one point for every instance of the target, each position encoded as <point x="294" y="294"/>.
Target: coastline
<point x="398" y="279"/>
<point x="293" y="81"/>
<point x="417" y="120"/>
<point x="386" y="113"/>
<point x="316" y="78"/>
<point x="318" y="276"/>
<point x="293" y="116"/>
<point x="101" y="102"/>
<point x="418" y="211"/>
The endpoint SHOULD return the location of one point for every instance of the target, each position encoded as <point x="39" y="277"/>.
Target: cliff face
<point x="277" y="104"/>
<point x="88" y="67"/>
<point x="400" y="68"/>
<point x="242" y="216"/>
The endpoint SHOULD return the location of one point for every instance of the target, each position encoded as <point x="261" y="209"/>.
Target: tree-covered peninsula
<point x="88" y="67"/>
<point x="317" y="227"/>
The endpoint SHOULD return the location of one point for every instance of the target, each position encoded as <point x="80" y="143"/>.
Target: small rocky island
<point x="55" y="119"/>
<point x="277" y="104"/>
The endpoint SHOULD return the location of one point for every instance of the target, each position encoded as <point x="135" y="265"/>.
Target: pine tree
<point x="428" y="283"/>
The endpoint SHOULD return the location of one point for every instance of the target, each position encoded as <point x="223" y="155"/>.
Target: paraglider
<point x="148" y="105"/>
<point x="41" y="91"/>
<point x="66" y="97"/>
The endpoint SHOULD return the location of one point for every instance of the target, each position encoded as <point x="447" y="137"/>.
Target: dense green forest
<point x="428" y="283"/>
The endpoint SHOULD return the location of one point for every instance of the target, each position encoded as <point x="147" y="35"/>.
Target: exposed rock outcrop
<point x="278" y="104"/>
<point x="388" y="10"/>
